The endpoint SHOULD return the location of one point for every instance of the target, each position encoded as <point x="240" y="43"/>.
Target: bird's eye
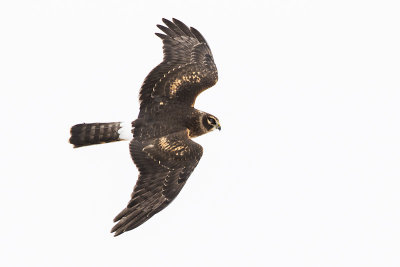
<point x="212" y="121"/>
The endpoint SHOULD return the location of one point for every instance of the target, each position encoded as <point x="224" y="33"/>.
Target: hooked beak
<point x="219" y="127"/>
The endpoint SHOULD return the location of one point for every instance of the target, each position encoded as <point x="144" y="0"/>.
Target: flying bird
<point x="161" y="143"/>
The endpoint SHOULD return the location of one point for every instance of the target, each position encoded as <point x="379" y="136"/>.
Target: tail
<point x="86" y="134"/>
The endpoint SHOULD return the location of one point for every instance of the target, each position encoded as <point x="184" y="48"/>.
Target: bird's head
<point x="210" y="122"/>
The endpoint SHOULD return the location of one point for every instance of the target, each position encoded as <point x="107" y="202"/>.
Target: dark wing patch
<point x="187" y="69"/>
<point x="164" y="166"/>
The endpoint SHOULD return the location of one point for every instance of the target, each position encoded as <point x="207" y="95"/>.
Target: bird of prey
<point x="161" y="143"/>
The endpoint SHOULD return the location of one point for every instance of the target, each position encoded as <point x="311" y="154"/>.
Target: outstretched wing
<point x="187" y="69"/>
<point x="164" y="166"/>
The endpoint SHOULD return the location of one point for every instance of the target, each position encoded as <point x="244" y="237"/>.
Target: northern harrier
<point x="161" y="145"/>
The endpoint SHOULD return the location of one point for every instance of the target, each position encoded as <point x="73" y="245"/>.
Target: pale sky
<point x="305" y="171"/>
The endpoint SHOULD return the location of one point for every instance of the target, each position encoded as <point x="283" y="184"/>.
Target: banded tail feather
<point x="85" y="134"/>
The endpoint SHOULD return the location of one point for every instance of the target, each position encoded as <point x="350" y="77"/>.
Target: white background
<point x="305" y="171"/>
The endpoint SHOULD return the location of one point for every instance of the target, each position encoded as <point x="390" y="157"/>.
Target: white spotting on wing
<point x="125" y="132"/>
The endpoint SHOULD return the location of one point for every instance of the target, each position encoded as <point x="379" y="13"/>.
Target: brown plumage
<point x="161" y="147"/>
<point x="85" y="134"/>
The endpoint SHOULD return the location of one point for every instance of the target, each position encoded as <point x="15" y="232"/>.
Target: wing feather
<point x="183" y="28"/>
<point x="198" y="35"/>
<point x="187" y="68"/>
<point x="167" y="31"/>
<point x="164" y="166"/>
<point x="173" y="27"/>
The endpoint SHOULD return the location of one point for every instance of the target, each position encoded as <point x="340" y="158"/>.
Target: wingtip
<point x="165" y="20"/>
<point x="198" y="35"/>
<point x="160" y="35"/>
<point x="117" y="230"/>
<point x="117" y="233"/>
<point x="174" y="20"/>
